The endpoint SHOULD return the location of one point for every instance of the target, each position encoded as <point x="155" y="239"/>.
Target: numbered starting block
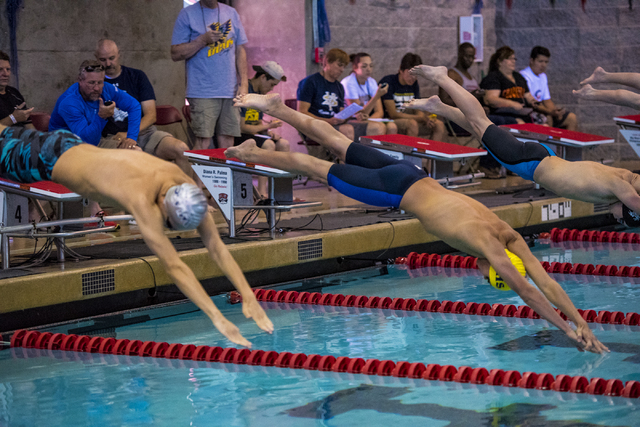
<point x="14" y="215"/>
<point x="570" y="143"/>
<point x="630" y="130"/>
<point x="230" y="184"/>
<point x="440" y="155"/>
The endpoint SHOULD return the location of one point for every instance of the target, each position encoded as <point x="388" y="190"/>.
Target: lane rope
<point x="415" y="260"/>
<point x="315" y="362"/>
<point x="434" y="306"/>
<point x="565" y="234"/>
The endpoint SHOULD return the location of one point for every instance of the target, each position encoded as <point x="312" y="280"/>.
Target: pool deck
<point x="122" y="274"/>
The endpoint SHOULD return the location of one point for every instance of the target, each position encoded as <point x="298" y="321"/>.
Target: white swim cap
<point x="186" y="205"/>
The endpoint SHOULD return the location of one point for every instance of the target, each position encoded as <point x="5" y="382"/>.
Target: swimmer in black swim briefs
<point x="458" y="220"/>
<point x="583" y="180"/>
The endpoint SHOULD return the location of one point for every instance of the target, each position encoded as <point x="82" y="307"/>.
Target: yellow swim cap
<point x="497" y="282"/>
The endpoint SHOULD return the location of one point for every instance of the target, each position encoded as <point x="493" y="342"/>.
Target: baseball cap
<point x="273" y="69"/>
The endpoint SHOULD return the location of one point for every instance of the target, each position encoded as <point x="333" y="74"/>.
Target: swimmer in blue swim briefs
<point x="582" y="180"/>
<point x="460" y="221"/>
<point x="156" y="192"/>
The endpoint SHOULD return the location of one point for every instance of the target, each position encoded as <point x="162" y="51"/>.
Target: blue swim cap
<point x="186" y="205"/>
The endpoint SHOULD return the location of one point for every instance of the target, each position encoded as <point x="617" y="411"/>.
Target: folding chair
<point x="461" y="137"/>
<point x="168" y="115"/>
<point x="40" y="121"/>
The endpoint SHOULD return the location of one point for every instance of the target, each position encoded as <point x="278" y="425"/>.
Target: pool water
<point x="57" y="388"/>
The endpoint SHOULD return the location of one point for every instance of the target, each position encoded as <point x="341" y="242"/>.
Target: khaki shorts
<point x="148" y="140"/>
<point x="214" y="116"/>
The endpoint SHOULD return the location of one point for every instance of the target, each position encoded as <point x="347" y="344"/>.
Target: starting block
<point x="230" y="184"/>
<point x="569" y="142"/>
<point x="630" y="130"/>
<point x="441" y="155"/>
<point x="14" y="214"/>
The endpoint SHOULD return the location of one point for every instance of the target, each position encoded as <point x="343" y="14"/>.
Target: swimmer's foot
<point x="245" y="151"/>
<point x="599" y="76"/>
<point x="429" y="73"/>
<point x="585" y="92"/>
<point x="266" y="103"/>
<point x="432" y="104"/>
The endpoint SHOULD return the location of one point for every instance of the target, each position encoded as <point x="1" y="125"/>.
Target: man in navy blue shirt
<point x="403" y="87"/>
<point x="135" y="83"/>
<point x="321" y="95"/>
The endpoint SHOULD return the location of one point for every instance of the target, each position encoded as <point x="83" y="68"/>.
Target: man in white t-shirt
<point x="539" y="88"/>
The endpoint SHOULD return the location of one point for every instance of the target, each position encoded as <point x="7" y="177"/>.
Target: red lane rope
<point x="402" y="369"/>
<point x="457" y="307"/>
<point x="564" y="234"/>
<point x="416" y="260"/>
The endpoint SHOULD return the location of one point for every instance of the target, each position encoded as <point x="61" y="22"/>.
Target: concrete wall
<point x="284" y="44"/>
<point x="605" y="34"/>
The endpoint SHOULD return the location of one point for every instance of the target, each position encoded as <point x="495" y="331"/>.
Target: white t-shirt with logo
<point x="538" y="85"/>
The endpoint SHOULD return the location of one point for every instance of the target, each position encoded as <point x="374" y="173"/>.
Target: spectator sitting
<point x="403" y="87"/>
<point x="460" y="74"/>
<point x="539" y="88"/>
<point x="321" y="95"/>
<point x="13" y="108"/>
<point x="135" y="83"/>
<point x="209" y="36"/>
<point x="506" y="91"/>
<point x="252" y="124"/>
<point x="86" y="106"/>
<point x="362" y="89"/>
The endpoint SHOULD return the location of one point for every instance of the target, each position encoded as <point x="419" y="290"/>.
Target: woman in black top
<point x="506" y="91"/>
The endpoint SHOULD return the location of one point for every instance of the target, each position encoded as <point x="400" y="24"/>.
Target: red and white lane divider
<point x="416" y="260"/>
<point x="564" y="234"/>
<point x="402" y="369"/>
<point x="410" y="304"/>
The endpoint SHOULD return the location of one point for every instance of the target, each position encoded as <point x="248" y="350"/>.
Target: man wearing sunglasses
<point x="87" y="105"/>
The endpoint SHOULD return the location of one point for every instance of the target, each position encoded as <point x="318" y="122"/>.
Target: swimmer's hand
<point x="252" y="310"/>
<point x="230" y="331"/>
<point x="588" y="340"/>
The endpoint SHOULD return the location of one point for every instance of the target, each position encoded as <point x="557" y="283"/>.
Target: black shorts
<point x="521" y="158"/>
<point x="242" y="138"/>
<point x="372" y="177"/>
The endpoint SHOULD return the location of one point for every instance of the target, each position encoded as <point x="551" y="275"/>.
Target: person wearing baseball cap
<point x="252" y="124"/>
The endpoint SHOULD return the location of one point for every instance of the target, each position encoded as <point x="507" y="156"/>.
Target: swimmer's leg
<point x="321" y="132"/>
<point x="436" y="106"/>
<point x="293" y="162"/>
<point x="623" y="97"/>
<point x="466" y="102"/>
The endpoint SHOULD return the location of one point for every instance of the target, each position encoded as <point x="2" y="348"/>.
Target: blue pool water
<point x="64" y="388"/>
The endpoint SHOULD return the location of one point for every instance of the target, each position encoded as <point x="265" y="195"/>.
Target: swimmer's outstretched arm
<point x="150" y="221"/>
<point x="621" y="97"/>
<point x="558" y="297"/>
<point x="321" y="132"/>
<point x="220" y="255"/>
<point x="601" y="76"/>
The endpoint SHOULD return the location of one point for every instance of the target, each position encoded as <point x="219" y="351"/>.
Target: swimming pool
<point x="41" y="387"/>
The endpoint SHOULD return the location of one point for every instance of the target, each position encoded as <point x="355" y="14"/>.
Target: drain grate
<point x="309" y="249"/>
<point x="98" y="282"/>
<point x="600" y="207"/>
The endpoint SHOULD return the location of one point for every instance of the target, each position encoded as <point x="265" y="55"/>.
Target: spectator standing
<point x="209" y="36"/>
